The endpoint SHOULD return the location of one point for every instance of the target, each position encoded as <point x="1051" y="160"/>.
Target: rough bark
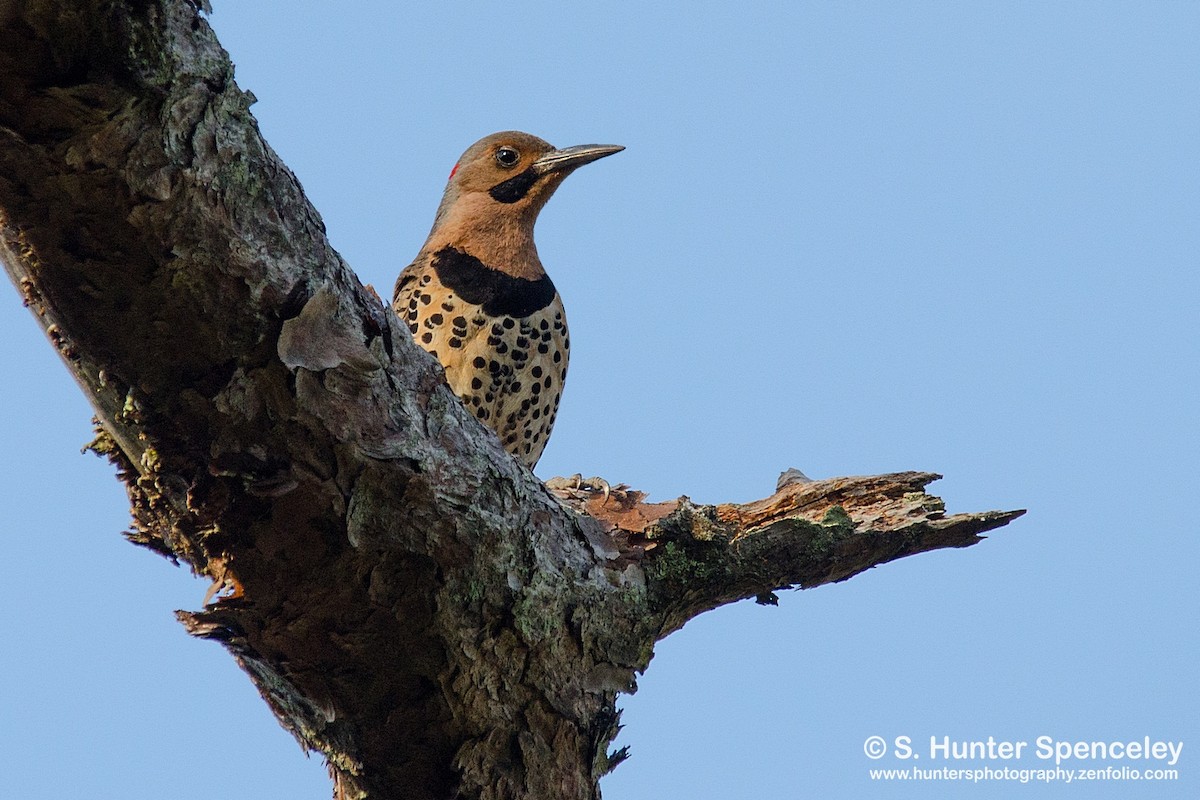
<point x="410" y="601"/>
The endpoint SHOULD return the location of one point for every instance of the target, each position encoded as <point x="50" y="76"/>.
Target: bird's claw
<point x="596" y="485"/>
<point x="578" y="483"/>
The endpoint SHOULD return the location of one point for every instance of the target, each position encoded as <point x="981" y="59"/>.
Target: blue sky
<point x="850" y="238"/>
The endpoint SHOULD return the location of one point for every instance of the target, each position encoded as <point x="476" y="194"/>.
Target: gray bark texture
<point x="410" y="601"/>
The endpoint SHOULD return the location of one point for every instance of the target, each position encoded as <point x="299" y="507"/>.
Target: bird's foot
<point x="578" y="483"/>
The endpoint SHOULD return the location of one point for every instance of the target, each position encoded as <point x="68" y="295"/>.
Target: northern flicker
<point x="477" y="297"/>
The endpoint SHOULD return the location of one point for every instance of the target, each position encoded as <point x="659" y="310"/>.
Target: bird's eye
<point x="507" y="157"/>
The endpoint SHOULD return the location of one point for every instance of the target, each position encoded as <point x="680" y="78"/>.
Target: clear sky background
<point x="847" y="237"/>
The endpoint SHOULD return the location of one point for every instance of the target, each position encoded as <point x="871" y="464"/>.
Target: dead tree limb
<point x="409" y="600"/>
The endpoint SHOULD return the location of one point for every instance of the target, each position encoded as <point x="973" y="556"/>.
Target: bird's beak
<point x="569" y="158"/>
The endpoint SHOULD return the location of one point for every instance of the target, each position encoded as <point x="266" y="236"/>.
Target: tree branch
<point x="810" y="533"/>
<point x="410" y="601"/>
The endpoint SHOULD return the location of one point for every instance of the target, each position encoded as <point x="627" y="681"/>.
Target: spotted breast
<point x="502" y="340"/>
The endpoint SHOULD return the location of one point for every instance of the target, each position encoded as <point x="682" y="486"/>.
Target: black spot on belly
<point x="499" y="294"/>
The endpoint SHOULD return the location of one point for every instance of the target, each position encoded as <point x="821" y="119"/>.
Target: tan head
<point x="496" y="190"/>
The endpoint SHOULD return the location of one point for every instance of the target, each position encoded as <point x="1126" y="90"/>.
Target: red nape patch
<point x="454" y="170"/>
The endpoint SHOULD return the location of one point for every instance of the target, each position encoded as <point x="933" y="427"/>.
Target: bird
<point x="477" y="296"/>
